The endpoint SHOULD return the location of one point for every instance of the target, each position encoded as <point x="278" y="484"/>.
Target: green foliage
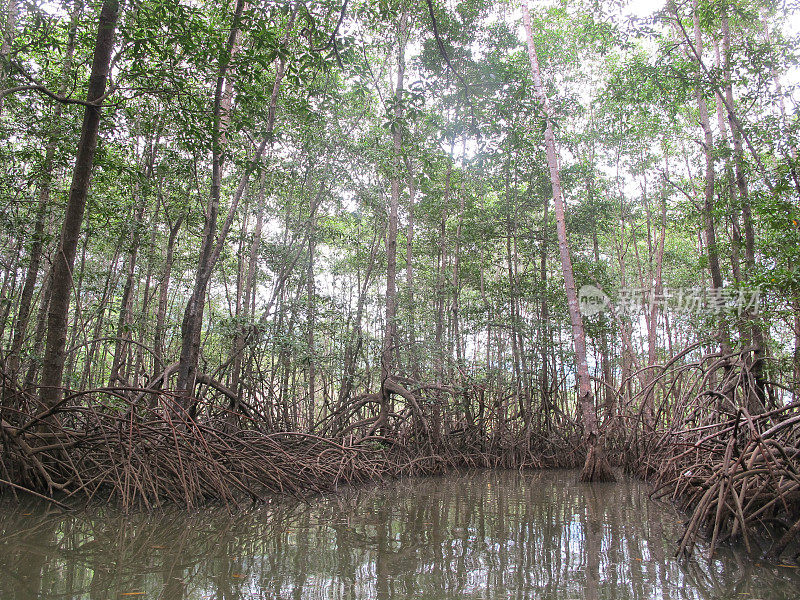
<point x="625" y="115"/>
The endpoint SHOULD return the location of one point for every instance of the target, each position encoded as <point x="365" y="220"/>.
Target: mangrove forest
<point x="259" y="253"/>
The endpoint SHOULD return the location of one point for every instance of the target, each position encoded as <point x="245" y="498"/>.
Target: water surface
<point x="488" y="535"/>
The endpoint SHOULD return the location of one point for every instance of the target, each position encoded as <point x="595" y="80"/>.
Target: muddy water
<point x="485" y="535"/>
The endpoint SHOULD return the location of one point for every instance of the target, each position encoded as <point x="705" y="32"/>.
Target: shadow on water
<point x="484" y="535"/>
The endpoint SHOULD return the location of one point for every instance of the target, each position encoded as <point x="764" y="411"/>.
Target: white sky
<point x="644" y="8"/>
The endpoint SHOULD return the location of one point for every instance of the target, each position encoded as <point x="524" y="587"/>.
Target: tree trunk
<point x="310" y="313"/>
<point x="708" y="197"/>
<point x="61" y="278"/>
<point x="652" y="321"/>
<point x="544" y="333"/>
<point x="596" y="467"/>
<point x="455" y="308"/>
<point x="607" y="395"/>
<point x="38" y="333"/>
<point x="412" y="321"/>
<point x="123" y="334"/>
<point x="390" y="332"/>
<point x="513" y="296"/>
<point x="758" y="403"/>
<point x="240" y="340"/>
<point x="439" y="349"/>
<point x="193" y="315"/>
<point x="163" y="297"/>
<point x="356" y="340"/>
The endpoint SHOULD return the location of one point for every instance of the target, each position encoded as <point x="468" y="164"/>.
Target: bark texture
<point x="596" y="467"/>
<point x="61" y="276"/>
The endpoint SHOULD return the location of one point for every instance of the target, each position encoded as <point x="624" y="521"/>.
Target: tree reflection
<point x="486" y="535"/>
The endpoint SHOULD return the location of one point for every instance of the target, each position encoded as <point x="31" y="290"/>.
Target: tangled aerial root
<point x="143" y="456"/>
<point x="736" y="472"/>
<point x="148" y="461"/>
<point x="738" y="478"/>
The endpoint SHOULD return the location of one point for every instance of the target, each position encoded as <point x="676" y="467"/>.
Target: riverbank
<point x="151" y="458"/>
<point x="735" y="474"/>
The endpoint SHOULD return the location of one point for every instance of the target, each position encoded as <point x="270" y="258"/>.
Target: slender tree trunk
<point x="708" y="198"/>
<point x="544" y="333"/>
<point x="412" y="321"/>
<point x="93" y="367"/>
<point x="652" y="321"/>
<point x="310" y="309"/>
<point x="137" y="366"/>
<point x="249" y="293"/>
<point x="605" y="361"/>
<point x="511" y="227"/>
<point x="239" y="340"/>
<point x="390" y="332"/>
<point x="38" y="333"/>
<point x="77" y="313"/>
<point x="8" y="291"/>
<point x="439" y="302"/>
<point x="628" y="355"/>
<point x="596" y="467"/>
<point x="192" y="323"/>
<point x="606" y="384"/>
<point x="61" y="278"/>
<point x="456" y="309"/>
<point x="163" y="297"/>
<point x="757" y="404"/>
<point x="123" y="333"/>
<point x="356" y="337"/>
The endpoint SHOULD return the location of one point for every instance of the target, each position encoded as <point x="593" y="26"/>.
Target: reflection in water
<point x="487" y="535"/>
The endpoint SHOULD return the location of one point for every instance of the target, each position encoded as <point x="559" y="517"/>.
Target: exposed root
<point x="148" y="454"/>
<point x="737" y="474"/>
<point x="596" y="468"/>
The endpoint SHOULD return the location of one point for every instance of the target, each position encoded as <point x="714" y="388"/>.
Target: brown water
<point x="486" y="535"/>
